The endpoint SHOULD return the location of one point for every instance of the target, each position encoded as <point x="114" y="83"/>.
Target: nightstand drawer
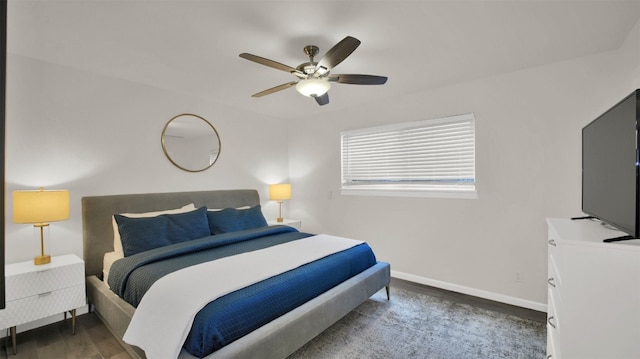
<point x="27" y="284"/>
<point x="42" y="305"/>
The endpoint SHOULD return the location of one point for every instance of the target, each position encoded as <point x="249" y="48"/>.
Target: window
<point x="432" y="158"/>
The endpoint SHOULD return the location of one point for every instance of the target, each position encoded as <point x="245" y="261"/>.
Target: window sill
<point x="454" y="194"/>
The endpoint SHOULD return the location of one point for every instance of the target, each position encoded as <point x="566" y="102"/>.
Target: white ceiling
<point x="193" y="46"/>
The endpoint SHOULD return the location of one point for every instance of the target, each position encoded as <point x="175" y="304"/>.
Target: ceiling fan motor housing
<point x="307" y="68"/>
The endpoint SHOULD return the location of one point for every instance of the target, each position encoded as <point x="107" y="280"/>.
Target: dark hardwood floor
<point x="93" y="341"/>
<point x="55" y="341"/>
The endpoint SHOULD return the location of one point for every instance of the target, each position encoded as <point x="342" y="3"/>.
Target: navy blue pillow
<point x="142" y="234"/>
<point x="233" y="220"/>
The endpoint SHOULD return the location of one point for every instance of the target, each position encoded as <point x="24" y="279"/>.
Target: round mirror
<point x="190" y="142"/>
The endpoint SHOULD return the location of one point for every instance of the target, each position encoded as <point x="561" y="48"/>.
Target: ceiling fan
<point x="314" y="78"/>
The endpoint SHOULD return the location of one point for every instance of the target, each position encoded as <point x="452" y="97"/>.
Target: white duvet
<point x="165" y="314"/>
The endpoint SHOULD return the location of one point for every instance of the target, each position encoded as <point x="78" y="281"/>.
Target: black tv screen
<point x="610" y="166"/>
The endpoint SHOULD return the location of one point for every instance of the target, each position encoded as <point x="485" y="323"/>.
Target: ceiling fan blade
<point x="322" y="100"/>
<point x="358" y="79"/>
<point x="267" y="62"/>
<point x="338" y="53"/>
<point x="275" y="89"/>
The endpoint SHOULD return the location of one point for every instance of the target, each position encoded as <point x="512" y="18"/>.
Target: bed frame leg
<point x="388" y="290"/>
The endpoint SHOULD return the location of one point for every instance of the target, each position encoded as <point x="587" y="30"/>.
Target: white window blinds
<point x="426" y="155"/>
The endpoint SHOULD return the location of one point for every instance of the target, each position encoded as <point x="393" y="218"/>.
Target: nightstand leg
<point x="73" y="321"/>
<point x="13" y="340"/>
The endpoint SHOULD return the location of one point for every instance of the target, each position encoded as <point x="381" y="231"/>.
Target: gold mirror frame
<point x="185" y="136"/>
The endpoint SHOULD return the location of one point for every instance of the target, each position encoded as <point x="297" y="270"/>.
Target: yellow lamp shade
<point x="40" y="206"/>
<point x="279" y="192"/>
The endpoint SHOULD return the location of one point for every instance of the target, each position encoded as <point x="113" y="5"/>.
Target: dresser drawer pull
<point x="552" y="242"/>
<point x="549" y="356"/>
<point x="550" y="321"/>
<point x="44" y="294"/>
<point x="551" y="282"/>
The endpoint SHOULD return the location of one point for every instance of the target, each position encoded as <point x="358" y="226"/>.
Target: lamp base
<point x="44" y="259"/>
<point x="279" y="219"/>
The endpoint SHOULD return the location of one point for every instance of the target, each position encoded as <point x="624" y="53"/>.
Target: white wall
<point x="528" y="128"/>
<point x="631" y="51"/>
<point x="95" y="135"/>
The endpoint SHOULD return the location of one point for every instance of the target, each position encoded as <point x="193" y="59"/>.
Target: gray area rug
<point x="414" y="325"/>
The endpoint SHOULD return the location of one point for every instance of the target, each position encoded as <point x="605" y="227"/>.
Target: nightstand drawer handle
<point x="551" y="282"/>
<point x="552" y="242"/>
<point x="44" y="294"/>
<point x="550" y="321"/>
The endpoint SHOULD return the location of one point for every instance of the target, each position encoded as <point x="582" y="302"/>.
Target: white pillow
<point x="117" y="242"/>
<point x="107" y="261"/>
<point x="220" y="209"/>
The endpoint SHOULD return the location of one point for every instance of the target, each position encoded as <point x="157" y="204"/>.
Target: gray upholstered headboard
<point x="97" y="228"/>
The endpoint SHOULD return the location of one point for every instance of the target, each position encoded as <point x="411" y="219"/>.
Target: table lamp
<point x="40" y="207"/>
<point x="280" y="193"/>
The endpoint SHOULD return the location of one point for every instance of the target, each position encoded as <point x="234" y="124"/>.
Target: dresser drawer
<point x="42" y="305"/>
<point x="553" y="328"/>
<point x="44" y="280"/>
<point x="552" y="353"/>
<point x="554" y="281"/>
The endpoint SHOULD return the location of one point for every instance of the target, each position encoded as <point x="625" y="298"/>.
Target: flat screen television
<point x="610" y="177"/>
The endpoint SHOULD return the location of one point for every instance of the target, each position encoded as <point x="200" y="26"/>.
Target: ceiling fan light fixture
<point x="313" y="87"/>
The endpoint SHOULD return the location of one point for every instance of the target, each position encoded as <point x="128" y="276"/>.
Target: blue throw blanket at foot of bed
<point x="239" y="313"/>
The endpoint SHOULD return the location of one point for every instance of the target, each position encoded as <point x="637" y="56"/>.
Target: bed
<point x="278" y="338"/>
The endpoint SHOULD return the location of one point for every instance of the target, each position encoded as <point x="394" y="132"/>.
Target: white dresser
<point x="38" y="291"/>
<point x="593" y="292"/>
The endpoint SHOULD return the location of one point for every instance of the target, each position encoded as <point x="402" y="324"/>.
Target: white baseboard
<point x="541" y="307"/>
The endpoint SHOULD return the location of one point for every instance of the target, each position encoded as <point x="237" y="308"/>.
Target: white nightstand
<point x="295" y="223"/>
<point x="38" y="291"/>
